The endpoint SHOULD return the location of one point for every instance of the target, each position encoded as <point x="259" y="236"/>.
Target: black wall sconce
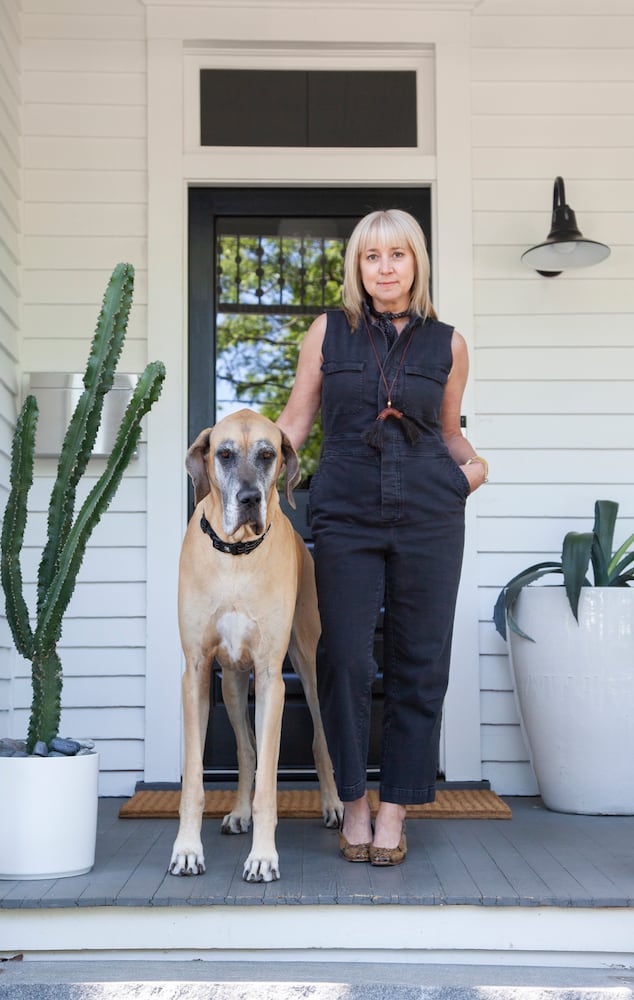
<point x="564" y="246"/>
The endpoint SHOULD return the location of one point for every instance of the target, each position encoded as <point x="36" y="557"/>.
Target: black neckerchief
<point x="385" y="322"/>
<point x="388" y="315"/>
<point x="231" y="548"/>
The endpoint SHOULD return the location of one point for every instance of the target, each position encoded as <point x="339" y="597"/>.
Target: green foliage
<point x="68" y="535"/>
<point x="269" y="291"/>
<point x="579" y="550"/>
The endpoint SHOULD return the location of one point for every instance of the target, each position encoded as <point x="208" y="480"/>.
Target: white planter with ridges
<point x="574" y="688"/>
<point x="48" y="816"/>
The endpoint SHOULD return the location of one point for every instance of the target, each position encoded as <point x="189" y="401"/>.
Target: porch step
<point x="168" y="980"/>
<point x="543" y="889"/>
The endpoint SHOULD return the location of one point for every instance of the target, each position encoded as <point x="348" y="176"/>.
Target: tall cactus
<point x="67" y="535"/>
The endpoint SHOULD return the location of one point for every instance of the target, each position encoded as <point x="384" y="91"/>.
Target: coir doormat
<point x="305" y="804"/>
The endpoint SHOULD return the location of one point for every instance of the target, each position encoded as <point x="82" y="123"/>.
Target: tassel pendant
<point x="390" y="411"/>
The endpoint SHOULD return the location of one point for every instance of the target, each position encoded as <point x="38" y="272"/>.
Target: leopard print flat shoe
<point x="353" y="852"/>
<point x="385" y="857"/>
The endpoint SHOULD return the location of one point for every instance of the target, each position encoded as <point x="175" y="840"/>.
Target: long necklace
<point x="389" y="410"/>
<point x="411" y="429"/>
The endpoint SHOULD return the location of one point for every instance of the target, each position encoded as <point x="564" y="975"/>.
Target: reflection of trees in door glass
<point x="269" y="289"/>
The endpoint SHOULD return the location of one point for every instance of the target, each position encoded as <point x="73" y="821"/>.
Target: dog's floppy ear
<point x="293" y="472"/>
<point x="196" y="465"/>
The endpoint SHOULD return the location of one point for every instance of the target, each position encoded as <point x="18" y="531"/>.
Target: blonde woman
<point x="387" y="505"/>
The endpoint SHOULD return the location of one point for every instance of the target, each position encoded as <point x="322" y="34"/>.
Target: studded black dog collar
<point x="231" y="548"/>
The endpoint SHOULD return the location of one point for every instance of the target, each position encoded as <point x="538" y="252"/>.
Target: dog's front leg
<point x="331" y="805"/>
<point x="187" y="854"/>
<point x="262" y="864"/>
<point x="235" y="692"/>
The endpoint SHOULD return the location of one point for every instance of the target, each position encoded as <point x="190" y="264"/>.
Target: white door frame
<point x="292" y="34"/>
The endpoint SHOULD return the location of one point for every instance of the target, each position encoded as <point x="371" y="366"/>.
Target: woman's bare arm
<point x="296" y="419"/>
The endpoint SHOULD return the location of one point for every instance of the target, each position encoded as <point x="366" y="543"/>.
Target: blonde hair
<point x="392" y="227"/>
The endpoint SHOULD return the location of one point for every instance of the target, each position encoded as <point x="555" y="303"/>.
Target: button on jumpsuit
<point x="388" y="525"/>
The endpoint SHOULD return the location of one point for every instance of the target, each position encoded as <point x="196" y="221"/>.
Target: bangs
<point x="383" y="230"/>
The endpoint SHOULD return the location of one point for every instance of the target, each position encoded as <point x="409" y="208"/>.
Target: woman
<point x="387" y="505"/>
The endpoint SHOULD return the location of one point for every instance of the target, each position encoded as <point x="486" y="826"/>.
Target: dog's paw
<point x="332" y="813"/>
<point x="235" y="823"/>
<point x="261" y="869"/>
<point x="187" y="860"/>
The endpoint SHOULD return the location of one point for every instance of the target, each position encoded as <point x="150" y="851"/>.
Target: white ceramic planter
<point x="48" y="816"/>
<point x="575" y="694"/>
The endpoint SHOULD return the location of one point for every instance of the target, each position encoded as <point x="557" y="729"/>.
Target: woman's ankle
<point x="389" y="824"/>
<point x="357" y="823"/>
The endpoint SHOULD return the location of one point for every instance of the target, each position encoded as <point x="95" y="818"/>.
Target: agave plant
<point x="580" y="549"/>
<point x="36" y="637"/>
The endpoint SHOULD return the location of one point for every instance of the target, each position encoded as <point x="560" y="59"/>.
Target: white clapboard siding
<point x="85" y="208"/>
<point x="533" y="534"/>
<point x="10" y="197"/>
<point x="553" y="364"/>
<point x="547" y="331"/>
<point x="100" y="724"/>
<point x="494" y="260"/>
<point x="70" y="355"/>
<point x="495" y="674"/>
<point x="81" y="692"/>
<point x="569" y="500"/>
<point x="72" y="251"/>
<point x="88" y="182"/>
<point x="75" y="285"/>
<point x="510" y="777"/>
<point x="124" y="528"/>
<point x="78" y="323"/>
<point x="106" y="600"/>
<point x="106" y="564"/>
<point x="77" y="221"/>
<point x="94" y="661"/>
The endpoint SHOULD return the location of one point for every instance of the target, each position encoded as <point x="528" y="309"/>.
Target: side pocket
<point x="462" y="483"/>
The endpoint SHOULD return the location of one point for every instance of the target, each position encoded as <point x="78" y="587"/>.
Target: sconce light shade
<point x="564" y="246"/>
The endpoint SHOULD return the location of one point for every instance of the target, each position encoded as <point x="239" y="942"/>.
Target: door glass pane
<point x="273" y="277"/>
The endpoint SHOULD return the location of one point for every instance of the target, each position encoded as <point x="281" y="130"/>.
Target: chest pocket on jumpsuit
<point x="342" y="387"/>
<point x="423" y="391"/>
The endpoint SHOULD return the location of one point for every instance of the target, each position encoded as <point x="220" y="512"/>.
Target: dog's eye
<point x="267" y="454"/>
<point x="224" y="454"/>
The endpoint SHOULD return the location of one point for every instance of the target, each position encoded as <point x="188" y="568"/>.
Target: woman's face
<point x="387" y="273"/>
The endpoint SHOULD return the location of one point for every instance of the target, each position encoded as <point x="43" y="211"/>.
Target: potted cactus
<point x="60" y="770"/>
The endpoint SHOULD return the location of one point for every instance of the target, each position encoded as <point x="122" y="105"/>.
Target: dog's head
<point x="241" y="458"/>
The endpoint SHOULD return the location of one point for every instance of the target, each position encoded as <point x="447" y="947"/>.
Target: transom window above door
<point x="308" y="108"/>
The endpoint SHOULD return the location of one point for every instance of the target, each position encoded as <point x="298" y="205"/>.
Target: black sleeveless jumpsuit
<point x="388" y="525"/>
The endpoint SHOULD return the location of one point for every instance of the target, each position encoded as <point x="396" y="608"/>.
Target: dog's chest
<point x="238" y="636"/>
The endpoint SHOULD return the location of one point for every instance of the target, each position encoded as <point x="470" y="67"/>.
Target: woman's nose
<point x="386" y="264"/>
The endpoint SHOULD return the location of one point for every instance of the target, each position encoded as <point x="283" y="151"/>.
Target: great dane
<point x="246" y="595"/>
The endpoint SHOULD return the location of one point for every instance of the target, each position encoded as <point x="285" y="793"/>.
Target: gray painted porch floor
<point x="538" y="858"/>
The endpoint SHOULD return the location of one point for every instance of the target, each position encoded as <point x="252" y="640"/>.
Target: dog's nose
<point x="249" y="496"/>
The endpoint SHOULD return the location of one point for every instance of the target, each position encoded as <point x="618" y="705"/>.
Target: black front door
<point x="263" y="262"/>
